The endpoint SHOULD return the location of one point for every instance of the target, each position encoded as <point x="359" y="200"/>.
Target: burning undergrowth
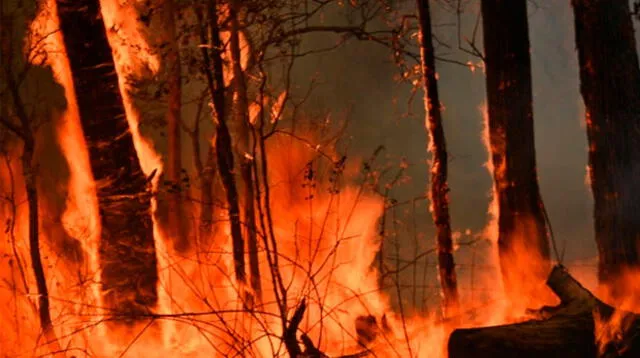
<point x="317" y="223"/>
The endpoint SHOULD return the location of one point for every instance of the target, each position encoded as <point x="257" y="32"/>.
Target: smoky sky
<point x="357" y="82"/>
<point x="360" y="77"/>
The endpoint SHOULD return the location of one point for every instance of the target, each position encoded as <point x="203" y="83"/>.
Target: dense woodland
<point x="166" y="191"/>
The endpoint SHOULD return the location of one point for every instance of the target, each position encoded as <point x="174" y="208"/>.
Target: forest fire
<point x="261" y="236"/>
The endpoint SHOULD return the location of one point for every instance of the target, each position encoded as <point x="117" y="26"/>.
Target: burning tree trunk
<point x="610" y="87"/>
<point x="224" y="148"/>
<point x="573" y="329"/>
<point x="13" y="106"/>
<point x="438" y="147"/>
<point x="244" y="150"/>
<point x="29" y="175"/>
<point x="523" y="243"/>
<point x="126" y="252"/>
<point x="25" y="132"/>
<point x="176" y="225"/>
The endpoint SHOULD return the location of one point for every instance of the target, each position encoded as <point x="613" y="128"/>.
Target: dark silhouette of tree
<point x="439" y="189"/>
<point x="523" y="241"/>
<point x="127" y="254"/>
<point x="21" y="116"/>
<point x="241" y="116"/>
<point x="213" y="71"/>
<point x="610" y="87"/>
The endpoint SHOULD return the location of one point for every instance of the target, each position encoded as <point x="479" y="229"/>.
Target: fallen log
<point x="567" y="330"/>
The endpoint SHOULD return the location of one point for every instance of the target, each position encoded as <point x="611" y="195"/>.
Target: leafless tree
<point x="439" y="188"/>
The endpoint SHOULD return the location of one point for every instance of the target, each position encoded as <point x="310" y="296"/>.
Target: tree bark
<point x="438" y="147"/>
<point x="568" y="330"/>
<point x="127" y="254"/>
<point x="610" y="87"/>
<point x="34" y="242"/>
<point x="523" y="243"/>
<point x="25" y="132"/>
<point x="243" y="150"/>
<point x="213" y="67"/>
<point x="11" y="102"/>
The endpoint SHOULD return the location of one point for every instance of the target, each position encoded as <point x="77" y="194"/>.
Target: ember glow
<point x="326" y="226"/>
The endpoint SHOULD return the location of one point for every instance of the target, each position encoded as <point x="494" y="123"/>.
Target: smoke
<point x="360" y="78"/>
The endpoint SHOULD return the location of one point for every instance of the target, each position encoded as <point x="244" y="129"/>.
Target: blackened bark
<point x="34" y="241"/>
<point x="439" y="188"/>
<point x="213" y="68"/>
<point x="573" y="329"/>
<point x="11" y="102"/>
<point x="569" y="331"/>
<point x="246" y="167"/>
<point x="126" y="252"/>
<point x="610" y="87"/>
<point x="25" y="132"/>
<point x="523" y="241"/>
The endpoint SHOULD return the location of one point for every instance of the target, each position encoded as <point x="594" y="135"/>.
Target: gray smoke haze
<point x="357" y="81"/>
<point x="359" y="77"/>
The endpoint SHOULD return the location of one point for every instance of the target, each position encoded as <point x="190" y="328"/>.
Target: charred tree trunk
<point x="213" y="68"/>
<point x="610" y="87"/>
<point x="176" y="224"/>
<point x="244" y="151"/>
<point x="523" y="242"/>
<point x="569" y="330"/>
<point x="34" y="240"/>
<point x="25" y="132"/>
<point x="126" y="252"/>
<point x="438" y="147"/>
<point x="11" y="103"/>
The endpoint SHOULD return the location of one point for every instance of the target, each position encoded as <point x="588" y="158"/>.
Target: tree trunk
<point x="34" y="242"/>
<point x="243" y="150"/>
<point x="437" y="146"/>
<point x="610" y="87"/>
<point x="176" y="224"/>
<point x="26" y="134"/>
<point x="213" y="67"/>
<point x="126" y="251"/>
<point x="573" y="329"/>
<point x="11" y="99"/>
<point x="523" y="244"/>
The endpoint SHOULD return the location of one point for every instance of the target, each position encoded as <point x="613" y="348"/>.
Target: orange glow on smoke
<point x="325" y="225"/>
<point x="17" y="305"/>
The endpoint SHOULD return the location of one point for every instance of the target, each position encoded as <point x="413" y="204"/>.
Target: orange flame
<point x="325" y="225"/>
<point x="623" y="293"/>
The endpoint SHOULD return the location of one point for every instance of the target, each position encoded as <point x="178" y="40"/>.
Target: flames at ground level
<point x="327" y="237"/>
